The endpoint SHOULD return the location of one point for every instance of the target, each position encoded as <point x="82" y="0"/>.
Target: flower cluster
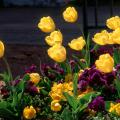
<point x="86" y="87"/>
<point x="104" y="37"/>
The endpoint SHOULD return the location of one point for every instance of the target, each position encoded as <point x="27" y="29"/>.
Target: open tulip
<point x="35" y="78"/>
<point x="77" y="44"/>
<point x="54" y="38"/>
<point x="55" y="106"/>
<point x="29" y="112"/>
<point x="46" y="24"/>
<point x="113" y="23"/>
<point x="101" y="38"/>
<point x="115" y="36"/>
<point x="105" y="63"/>
<point x="57" y="53"/>
<point x="2" y="49"/>
<point x="70" y="15"/>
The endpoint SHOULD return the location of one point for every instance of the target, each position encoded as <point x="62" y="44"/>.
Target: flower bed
<point x="87" y="87"/>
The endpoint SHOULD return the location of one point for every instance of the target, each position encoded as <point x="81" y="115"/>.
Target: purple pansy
<point x="97" y="104"/>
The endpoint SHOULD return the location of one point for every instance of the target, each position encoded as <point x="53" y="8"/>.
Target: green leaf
<point x="81" y="64"/>
<point x="75" y="87"/>
<point x="87" y="53"/>
<point x="117" y="85"/>
<point x="26" y="77"/>
<point x="66" y="114"/>
<point x="20" y="86"/>
<point x="5" y="110"/>
<point x="15" y="100"/>
<point x="107" y="105"/>
<point x="116" y="56"/>
<point x="85" y="100"/>
<point x="71" y="100"/>
<point x="6" y="113"/>
<point x="44" y="92"/>
<point x="96" y="46"/>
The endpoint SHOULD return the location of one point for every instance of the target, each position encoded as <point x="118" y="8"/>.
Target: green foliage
<point x="87" y="51"/>
<point x="116" y="56"/>
<point x="117" y="85"/>
<point x="78" y="105"/>
<point x="75" y="84"/>
<point x="66" y="112"/>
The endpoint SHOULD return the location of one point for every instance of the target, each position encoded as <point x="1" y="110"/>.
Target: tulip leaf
<point x="116" y="56"/>
<point x="71" y="100"/>
<point x="75" y="87"/>
<point x="80" y="63"/>
<point x="117" y="85"/>
<point x="87" y="52"/>
<point x="66" y="114"/>
<point x="26" y="77"/>
<point x="5" y="111"/>
<point x="107" y="105"/>
<point x="85" y="100"/>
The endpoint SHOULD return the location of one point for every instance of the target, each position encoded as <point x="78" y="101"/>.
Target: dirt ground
<point x="21" y="57"/>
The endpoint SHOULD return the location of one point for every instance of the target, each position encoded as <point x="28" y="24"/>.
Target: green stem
<point x="8" y="68"/>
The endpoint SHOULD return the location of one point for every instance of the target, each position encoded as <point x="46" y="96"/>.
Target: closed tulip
<point x="57" y="53"/>
<point x="113" y="23"/>
<point x="105" y="63"/>
<point x="35" y="78"/>
<point x="46" y="24"/>
<point x="115" y="36"/>
<point x="77" y="44"/>
<point x="29" y="112"/>
<point x="70" y="15"/>
<point x="55" y="106"/>
<point x="101" y="38"/>
<point x="2" y="49"/>
<point x="55" y="37"/>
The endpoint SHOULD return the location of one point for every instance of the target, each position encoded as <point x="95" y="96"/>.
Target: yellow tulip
<point x="57" y="90"/>
<point x="57" y="53"/>
<point x="54" y="38"/>
<point x="105" y="63"/>
<point x="115" y="36"/>
<point x="29" y="112"/>
<point x="77" y="44"/>
<point x="70" y="15"/>
<point x="46" y="24"/>
<point x="2" y="49"/>
<point x="113" y="23"/>
<point x="115" y="108"/>
<point x="101" y="38"/>
<point x="55" y="106"/>
<point x="35" y="78"/>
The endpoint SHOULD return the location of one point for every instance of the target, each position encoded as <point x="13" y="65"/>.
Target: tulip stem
<point x="8" y="68"/>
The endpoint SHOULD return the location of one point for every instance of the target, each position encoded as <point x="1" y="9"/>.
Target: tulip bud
<point x="77" y="44"/>
<point x="2" y="49"/>
<point x="55" y="106"/>
<point x="57" y="53"/>
<point x="113" y="23"/>
<point x="70" y="15"/>
<point x="46" y="24"/>
<point x="102" y="38"/>
<point x="105" y="63"/>
<point x="54" y="38"/>
<point x="29" y="112"/>
<point x="35" y="78"/>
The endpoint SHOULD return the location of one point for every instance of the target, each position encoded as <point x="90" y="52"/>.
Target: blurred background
<point x="25" y="43"/>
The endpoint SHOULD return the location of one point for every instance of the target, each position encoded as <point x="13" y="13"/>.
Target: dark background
<point x="24" y="42"/>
